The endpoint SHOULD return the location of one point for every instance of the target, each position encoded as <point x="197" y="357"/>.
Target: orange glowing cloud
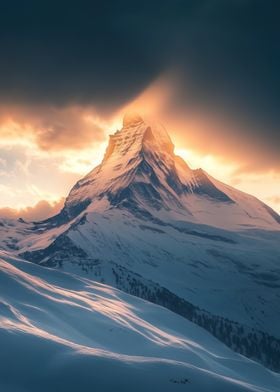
<point x="49" y="128"/>
<point x="41" y="210"/>
<point x="153" y="101"/>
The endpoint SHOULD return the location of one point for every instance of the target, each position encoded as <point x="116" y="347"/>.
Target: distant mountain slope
<point x="74" y="334"/>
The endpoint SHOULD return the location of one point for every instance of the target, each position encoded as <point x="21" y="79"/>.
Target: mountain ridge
<point x="140" y="163"/>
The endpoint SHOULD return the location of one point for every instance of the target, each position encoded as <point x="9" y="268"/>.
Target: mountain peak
<point x="131" y="119"/>
<point x="141" y="173"/>
<point x="136" y="138"/>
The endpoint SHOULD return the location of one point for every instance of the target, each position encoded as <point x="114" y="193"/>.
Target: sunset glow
<point x="23" y="160"/>
<point x="45" y="150"/>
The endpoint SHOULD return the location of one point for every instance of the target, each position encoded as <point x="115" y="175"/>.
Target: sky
<point x="208" y="70"/>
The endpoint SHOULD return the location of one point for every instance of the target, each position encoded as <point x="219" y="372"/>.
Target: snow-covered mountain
<point x="63" y="332"/>
<point x="145" y="222"/>
<point x="141" y="173"/>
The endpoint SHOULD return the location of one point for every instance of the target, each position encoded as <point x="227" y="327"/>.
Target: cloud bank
<point x="42" y="210"/>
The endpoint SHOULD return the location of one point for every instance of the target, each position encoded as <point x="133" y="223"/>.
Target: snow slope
<point x="63" y="332"/>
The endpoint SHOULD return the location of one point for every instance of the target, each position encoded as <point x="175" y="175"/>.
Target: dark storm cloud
<point x="104" y="53"/>
<point x="52" y="128"/>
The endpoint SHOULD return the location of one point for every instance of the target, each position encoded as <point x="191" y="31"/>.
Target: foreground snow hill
<point x="62" y="332"/>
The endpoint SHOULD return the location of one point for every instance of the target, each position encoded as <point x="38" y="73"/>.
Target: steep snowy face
<point x="140" y="170"/>
<point x="135" y="139"/>
<point x="136" y="154"/>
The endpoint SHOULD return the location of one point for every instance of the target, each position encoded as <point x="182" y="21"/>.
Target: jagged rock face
<point x="140" y="167"/>
<point x="137" y="139"/>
